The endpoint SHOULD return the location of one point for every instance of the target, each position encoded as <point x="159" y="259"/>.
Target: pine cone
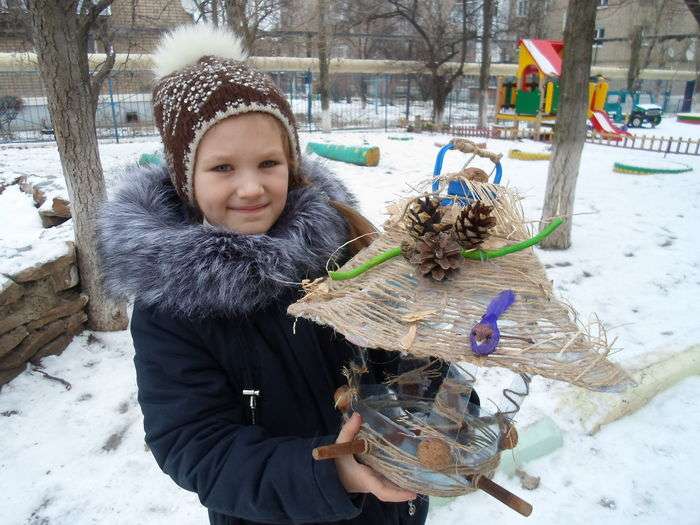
<point x="473" y="225"/>
<point x="437" y="255"/>
<point x="424" y="216"/>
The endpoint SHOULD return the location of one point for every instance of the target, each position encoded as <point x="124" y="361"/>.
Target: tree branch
<point x="91" y="13"/>
<point x="460" y="71"/>
<point x="106" y="38"/>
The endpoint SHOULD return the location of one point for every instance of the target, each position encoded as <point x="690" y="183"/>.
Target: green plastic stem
<point x="374" y="261"/>
<point x="482" y="255"/>
<point x="478" y="255"/>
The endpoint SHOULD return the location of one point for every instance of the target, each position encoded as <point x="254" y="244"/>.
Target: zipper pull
<point x="253" y="394"/>
<point x="411" y="508"/>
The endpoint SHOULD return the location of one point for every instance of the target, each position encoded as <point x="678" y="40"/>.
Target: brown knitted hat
<point x="202" y="78"/>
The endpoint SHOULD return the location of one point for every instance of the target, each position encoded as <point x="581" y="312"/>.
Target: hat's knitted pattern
<point x="190" y="99"/>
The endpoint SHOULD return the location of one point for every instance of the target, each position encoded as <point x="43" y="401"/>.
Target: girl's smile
<point x="251" y="209"/>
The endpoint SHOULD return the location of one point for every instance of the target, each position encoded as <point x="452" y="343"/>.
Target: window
<point x="646" y="35"/>
<point x="10" y="4"/>
<point x="107" y="11"/>
<point x="521" y="8"/>
<point x="598" y="37"/>
<point x="602" y="3"/>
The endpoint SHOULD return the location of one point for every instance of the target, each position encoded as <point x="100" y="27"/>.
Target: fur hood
<point x="152" y="250"/>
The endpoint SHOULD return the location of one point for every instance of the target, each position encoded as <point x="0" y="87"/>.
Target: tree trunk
<point x="570" y="129"/>
<point x="324" y="65"/>
<point x="697" y="65"/>
<point x="215" y="12"/>
<point x="363" y="90"/>
<point x="440" y="93"/>
<point x="485" y="62"/>
<point x="235" y="12"/>
<point x="635" y="59"/>
<point x="61" y="49"/>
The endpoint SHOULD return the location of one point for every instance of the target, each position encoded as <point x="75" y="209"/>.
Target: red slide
<point x="602" y="124"/>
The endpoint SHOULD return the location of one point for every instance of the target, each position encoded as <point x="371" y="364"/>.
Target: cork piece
<point x="435" y="454"/>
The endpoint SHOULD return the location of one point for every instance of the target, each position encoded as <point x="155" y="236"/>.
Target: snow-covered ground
<point x="77" y="456"/>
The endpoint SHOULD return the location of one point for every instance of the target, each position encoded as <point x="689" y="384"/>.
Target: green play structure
<point x="150" y="159"/>
<point x="360" y="155"/>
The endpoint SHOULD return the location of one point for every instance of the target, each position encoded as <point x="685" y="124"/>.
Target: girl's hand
<point x="357" y="477"/>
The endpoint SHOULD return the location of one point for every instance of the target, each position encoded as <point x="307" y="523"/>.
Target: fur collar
<point x="152" y="250"/>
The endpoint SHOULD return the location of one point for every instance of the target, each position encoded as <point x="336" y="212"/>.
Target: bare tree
<point x="532" y="23"/>
<point x="488" y="12"/>
<point x="324" y="65"/>
<point x="444" y="37"/>
<point x="570" y="128"/>
<point x="360" y="17"/>
<point x="247" y="17"/>
<point x="644" y="35"/>
<point x="60" y="31"/>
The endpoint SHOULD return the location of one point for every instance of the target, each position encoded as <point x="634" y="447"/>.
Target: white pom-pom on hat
<point x="186" y="44"/>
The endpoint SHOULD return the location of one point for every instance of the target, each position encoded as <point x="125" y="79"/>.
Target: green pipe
<point x="477" y="255"/>
<point x="361" y="155"/>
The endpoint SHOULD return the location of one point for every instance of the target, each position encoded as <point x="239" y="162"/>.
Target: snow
<point x="26" y="243"/>
<point x="77" y="456"/>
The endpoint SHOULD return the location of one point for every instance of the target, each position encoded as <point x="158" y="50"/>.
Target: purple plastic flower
<point x="485" y="335"/>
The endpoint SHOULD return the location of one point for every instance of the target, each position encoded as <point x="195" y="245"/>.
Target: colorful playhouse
<point x="533" y="97"/>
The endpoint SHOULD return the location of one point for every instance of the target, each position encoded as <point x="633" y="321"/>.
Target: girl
<point x="235" y="394"/>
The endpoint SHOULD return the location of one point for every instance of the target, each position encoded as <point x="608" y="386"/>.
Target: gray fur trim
<point x="150" y="248"/>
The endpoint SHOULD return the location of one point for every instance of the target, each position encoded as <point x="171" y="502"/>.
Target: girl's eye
<point x="222" y="167"/>
<point x="268" y="163"/>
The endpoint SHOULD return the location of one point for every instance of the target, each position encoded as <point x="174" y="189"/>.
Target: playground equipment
<point x="649" y="167"/>
<point x="529" y="155"/>
<point x="635" y="108"/>
<point x="360" y="155"/>
<point x="534" y="96"/>
<point x="150" y="159"/>
<point x="688" y="118"/>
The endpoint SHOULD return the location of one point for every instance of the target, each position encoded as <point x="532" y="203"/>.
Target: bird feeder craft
<point x="459" y="285"/>
<point x="360" y="155"/>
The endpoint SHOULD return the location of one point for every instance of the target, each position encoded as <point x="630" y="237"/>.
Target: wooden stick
<point x="358" y="446"/>
<point x="504" y="496"/>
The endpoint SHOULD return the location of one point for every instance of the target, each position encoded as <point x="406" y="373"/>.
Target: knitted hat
<point x="201" y="79"/>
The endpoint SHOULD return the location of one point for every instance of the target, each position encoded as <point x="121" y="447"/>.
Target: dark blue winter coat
<point x="209" y="321"/>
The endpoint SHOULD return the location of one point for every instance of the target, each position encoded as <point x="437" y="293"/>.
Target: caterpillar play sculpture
<point x="459" y="287"/>
<point x="360" y="155"/>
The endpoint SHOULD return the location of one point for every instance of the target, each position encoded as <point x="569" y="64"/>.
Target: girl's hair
<point x="361" y="230"/>
<point x="358" y="225"/>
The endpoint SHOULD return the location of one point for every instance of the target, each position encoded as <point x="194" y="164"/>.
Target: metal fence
<point x="358" y="101"/>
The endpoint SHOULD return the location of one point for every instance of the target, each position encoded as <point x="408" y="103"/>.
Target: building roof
<point x="546" y="54"/>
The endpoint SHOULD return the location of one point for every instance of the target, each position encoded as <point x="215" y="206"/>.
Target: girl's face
<point x="241" y="173"/>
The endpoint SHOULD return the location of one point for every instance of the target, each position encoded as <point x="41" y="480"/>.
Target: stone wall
<point x="41" y="306"/>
